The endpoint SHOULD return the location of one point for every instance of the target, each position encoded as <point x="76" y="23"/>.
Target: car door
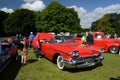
<point x="47" y="50"/>
<point x="99" y="40"/>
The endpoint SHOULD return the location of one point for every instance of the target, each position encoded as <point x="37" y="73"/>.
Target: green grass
<point x="46" y="70"/>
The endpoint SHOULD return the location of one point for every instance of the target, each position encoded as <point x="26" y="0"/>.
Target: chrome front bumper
<point x="83" y="62"/>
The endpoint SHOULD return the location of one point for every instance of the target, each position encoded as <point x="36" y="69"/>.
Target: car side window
<point x="6" y="47"/>
<point x="99" y="36"/>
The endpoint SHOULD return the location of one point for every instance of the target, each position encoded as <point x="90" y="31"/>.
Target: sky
<point x="88" y="10"/>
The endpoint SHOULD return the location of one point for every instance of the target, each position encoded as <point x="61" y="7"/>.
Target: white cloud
<point x="5" y="9"/>
<point x="30" y="0"/>
<point x="88" y="18"/>
<point x="35" y="6"/>
<point x="81" y="11"/>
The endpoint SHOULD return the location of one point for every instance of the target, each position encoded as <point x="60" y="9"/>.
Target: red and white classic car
<point x="64" y="51"/>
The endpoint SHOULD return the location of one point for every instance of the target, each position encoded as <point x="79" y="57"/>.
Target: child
<point x="24" y="52"/>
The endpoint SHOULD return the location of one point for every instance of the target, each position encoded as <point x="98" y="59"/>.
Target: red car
<point x="109" y="44"/>
<point x="64" y="51"/>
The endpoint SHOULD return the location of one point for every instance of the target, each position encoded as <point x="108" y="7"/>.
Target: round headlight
<point x="74" y="53"/>
<point x="101" y="50"/>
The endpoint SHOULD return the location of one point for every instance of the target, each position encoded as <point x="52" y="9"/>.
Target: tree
<point x="115" y="22"/>
<point x="3" y="17"/>
<point x="37" y="20"/>
<point x="103" y="24"/>
<point x="57" y="18"/>
<point x="21" y="21"/>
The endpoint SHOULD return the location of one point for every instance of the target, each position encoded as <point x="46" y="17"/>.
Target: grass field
<point x="46" y="70"/>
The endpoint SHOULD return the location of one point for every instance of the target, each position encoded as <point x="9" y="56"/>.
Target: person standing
<point x="37" y="51"/>
<point x="115" y="36"/>
<point x="108" y="35"/>
<point x="89" y="39"/>
<point x="83" y="38"/>
<point x="37" y="46"/>
<point x="31" y="36"/>
<point x="24" y="52"/>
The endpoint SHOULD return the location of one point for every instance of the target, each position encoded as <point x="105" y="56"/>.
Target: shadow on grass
<point x="118" y="78"/>
<point x="11" y="70"/>
<point x="31" y="61"/>
<point x="74" y="70"/>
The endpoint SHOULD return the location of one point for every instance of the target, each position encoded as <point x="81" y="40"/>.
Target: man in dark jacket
<point x="89" y="38"/>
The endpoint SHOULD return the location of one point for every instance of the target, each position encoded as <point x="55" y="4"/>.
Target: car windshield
<point x="64" y="39"/>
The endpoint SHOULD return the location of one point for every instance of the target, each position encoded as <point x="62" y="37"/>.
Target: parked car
<point x="109" y="44"/>
<point x="8" y="52"/>
<point x="64" y="51"/>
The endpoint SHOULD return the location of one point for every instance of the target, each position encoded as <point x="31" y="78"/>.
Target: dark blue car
<point x="8" y="52"/>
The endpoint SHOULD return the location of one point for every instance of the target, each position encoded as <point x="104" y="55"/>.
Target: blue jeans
<point x="30" y="44"/>
<point x="37" y="52"/>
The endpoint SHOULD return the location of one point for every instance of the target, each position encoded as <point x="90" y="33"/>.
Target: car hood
<point x="84" y="50"/>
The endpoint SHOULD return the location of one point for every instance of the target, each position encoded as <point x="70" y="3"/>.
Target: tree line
<point x="54" y="18"/>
